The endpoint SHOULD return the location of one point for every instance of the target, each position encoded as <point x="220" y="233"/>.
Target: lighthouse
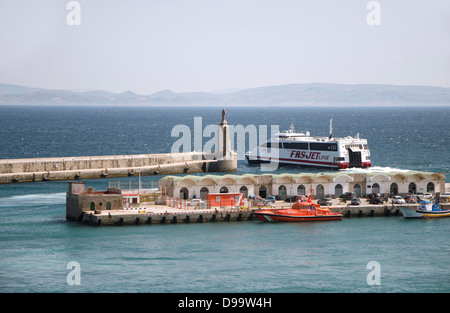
<point x="223" y="140"/>
<point x="226" y="158"/>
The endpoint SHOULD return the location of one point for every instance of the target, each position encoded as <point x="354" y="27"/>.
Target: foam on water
<point x="374" y="169"/>
<point x="33" y="199"/>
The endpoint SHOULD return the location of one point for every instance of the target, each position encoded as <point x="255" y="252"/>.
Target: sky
<point x="214" y="45"/>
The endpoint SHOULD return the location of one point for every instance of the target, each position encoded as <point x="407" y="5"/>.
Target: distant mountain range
<point x="316" y="94"/>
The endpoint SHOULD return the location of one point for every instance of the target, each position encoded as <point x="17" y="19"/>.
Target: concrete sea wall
<point x="127" y="218"/>
<point x="137" y="217"/>
<point x="44" y="169"/>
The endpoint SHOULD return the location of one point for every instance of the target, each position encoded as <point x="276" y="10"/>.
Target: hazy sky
<point x="209" y="45"/>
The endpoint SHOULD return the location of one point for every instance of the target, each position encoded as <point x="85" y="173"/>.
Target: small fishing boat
<point x="301" y="211"/>
<point x="426" y="210"/>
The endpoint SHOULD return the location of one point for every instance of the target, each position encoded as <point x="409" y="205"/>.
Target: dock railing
<point x="134" y="185"/>
<point x="197" y="204"/>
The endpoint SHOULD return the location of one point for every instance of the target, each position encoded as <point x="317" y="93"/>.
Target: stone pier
<point x="88" y="167"/>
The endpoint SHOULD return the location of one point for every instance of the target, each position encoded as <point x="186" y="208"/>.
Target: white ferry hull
<point x="310" y="159"/>
<point x="312" y="163"/>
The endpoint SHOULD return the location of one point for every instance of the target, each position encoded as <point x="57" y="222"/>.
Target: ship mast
<point x="331" y="129"/>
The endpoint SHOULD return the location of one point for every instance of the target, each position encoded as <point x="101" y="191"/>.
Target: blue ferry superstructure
<point x="305" y="150"/>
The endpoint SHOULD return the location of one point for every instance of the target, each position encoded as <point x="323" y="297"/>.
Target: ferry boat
<point x="301" y="211"/>
<point x="290" y="147"/>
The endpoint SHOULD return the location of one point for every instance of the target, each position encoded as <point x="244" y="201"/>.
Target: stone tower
<point x="224" y="142"/>
<point x="226" y="158"/>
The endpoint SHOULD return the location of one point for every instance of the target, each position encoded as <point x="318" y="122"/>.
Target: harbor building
<point x="331" y="184"/>
<point x="226" y="197"/>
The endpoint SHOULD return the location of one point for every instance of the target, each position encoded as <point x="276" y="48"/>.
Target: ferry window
<point x="296" y="145"/>
<point x="323" y="146"/>
<point x="270" y="144"/>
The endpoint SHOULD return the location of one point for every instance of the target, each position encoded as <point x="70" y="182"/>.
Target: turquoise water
<point x="36" y="242"/>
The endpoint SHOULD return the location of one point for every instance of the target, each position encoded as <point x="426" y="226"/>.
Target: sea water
<point x="37" y="243"/>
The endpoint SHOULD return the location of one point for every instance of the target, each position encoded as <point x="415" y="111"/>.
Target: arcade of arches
<point x="331" y="184"/>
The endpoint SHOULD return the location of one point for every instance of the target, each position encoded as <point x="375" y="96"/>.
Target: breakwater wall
<point x="170" y="216"/>
<point x="88" y="167"/>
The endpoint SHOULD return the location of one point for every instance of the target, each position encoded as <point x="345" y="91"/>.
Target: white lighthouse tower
<point x="226" y="158"/>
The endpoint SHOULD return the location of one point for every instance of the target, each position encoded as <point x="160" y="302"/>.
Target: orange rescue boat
<point x="301" y="211"/>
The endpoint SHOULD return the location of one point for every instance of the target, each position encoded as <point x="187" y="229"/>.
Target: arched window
<point x="430" y="187"/>
<point x="92" y="206"/>
<point x="282" y="192"/>
<point x="376" y="188"/>
<point x="301" y="190"/>
<point x="319" y="191"/>
<point x="184" y="193"/>
<point x="393" y="189"/>
<point x="412" y="188"/>
<point x="108" y="205"/>
<point x="244" y="190"/>
<point x="357" y="190"/>
<point x="263" y="191"/>
<point x="224" y="190"/>
<point x="203" y="192"/>
<point x="338" y="190"/>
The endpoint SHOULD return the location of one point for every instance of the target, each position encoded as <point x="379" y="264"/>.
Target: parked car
<point x="445" y="197"/>
<point x="270" y="199"/>
<point x="325" y="201"/>
<point x="355" y="201"/>
<point x="420" y="198"/>
<point x="397" y="200"/>
<point x="259" y="202"/>
<point x="196" y="202"/>
<point x="348" y="195"/>
<point x="427" y="195"/>
<point x="410" y="199"/>
<point x="291" y="199"/>
<point x="376" y="200"/>
<point x="268" y="202"/>
<point x="373" y="195"/>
